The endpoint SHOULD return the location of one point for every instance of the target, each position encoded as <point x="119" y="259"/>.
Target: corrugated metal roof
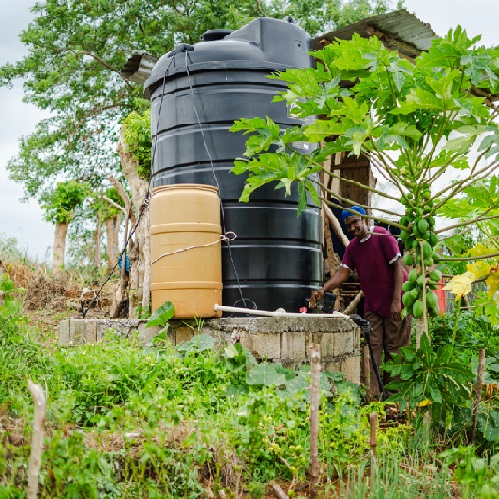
<point x="399" y="30"/>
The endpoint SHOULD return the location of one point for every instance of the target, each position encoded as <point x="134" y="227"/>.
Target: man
<point x="375" y="255"/>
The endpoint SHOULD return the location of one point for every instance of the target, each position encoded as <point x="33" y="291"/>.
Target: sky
<point x="24" y="221"/>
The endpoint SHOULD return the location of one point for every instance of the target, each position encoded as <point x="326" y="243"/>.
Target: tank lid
<point x="263" y="44"/>
<point x="215" y="34"/>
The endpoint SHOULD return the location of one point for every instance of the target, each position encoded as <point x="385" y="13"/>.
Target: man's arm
<point x="339" y="277"/>
<point x="398" y="278"/>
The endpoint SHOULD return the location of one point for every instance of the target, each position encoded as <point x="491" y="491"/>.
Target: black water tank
<point x="197" y="92"/>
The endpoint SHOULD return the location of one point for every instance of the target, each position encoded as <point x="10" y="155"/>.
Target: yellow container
<point x="186" y="249"/>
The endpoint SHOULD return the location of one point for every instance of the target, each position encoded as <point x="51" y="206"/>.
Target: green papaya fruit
<point x="422" y="225"/>
<point x="427" y="250"/>
<point x="431" y="299"/>
<point x="407" y="286"/>
<point x="413" y="275"/>
<point x="428" y="262"/>
<point x="433" y="239"/>
<point x="435" y="275"/>
<point x="434" y="312"/>
<point x="407" y="299"/>
<point x="408" y="259"/>
<point x="417" y="309"/>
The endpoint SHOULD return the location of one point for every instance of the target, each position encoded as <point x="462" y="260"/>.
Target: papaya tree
<point x="60" y="205"/>
<point x="418" y="122"/>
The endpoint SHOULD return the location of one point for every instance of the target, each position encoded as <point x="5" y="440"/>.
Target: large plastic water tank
<point x="197" y="92"/>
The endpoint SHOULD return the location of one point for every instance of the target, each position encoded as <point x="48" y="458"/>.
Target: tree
<point x="415" y="122"/>
<point x="76" y="52"/>
<point x="60" y="206"/>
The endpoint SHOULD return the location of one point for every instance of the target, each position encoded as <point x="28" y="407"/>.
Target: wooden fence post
<point x="315" y="365"/>
<point x="35" y="458"/>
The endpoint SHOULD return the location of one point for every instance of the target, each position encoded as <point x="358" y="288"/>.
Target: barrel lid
<point x="263" y="44"/>
<point x="175" y="187"/>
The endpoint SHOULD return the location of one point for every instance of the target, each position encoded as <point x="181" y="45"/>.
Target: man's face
<point x="356" y="226"/>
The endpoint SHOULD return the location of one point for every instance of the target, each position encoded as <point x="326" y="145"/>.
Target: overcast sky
<point x="24" y="221"/>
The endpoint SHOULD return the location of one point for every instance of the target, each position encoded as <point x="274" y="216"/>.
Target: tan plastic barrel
<point x="186" y="249"/>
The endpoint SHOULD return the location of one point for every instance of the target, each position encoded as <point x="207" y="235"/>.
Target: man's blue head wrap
<point x="357" y="209"/>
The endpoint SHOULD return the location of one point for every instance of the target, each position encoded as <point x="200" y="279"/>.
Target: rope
<point x="228" y="236"/>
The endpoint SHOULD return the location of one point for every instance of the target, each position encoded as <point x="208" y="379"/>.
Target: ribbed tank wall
<point x="276" y="259"/>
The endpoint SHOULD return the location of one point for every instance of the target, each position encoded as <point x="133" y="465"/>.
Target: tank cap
<point x="215" y="34"/>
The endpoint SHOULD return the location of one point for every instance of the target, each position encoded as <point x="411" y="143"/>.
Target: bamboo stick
<point x="478" y="392"/>
<point x="315" y="363"/>
<point x="35" y="458"/>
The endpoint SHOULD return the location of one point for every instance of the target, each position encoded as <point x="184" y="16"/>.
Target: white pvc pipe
<point x="264" y="313"/>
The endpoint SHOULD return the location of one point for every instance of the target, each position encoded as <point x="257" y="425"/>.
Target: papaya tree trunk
<point x="61" y="231"/>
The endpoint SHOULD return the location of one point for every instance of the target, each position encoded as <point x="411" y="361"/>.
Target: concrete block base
<point x="276" y="339"/>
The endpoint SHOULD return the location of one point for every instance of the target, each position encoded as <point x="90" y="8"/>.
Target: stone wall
<point x="277" y="339"/>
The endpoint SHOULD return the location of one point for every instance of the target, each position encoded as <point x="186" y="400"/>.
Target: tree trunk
<point x="61" y="231"/>
<point x="98" y="239"/>
<point x="139" y="255"/>
<point x="112" y="248"/>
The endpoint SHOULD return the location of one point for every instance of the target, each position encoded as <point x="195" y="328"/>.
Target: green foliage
<point x="430" y="376"/>
<point x="138" y="140"/>
<point x="76" y="52"/>
<point x="20" y="356"/>
<point x="60" y="204"/>
<point x="478" y="476"/>
<point x="422" y="124"/>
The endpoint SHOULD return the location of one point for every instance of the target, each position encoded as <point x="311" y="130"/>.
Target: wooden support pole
<point x="373" y="423"/>
<point x="315" y="364"/>
<point x="35" y="458"/>
<point x="478" y="392"/>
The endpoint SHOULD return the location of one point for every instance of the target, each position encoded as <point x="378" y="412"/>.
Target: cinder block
<point x="262" y="345"/>
<point x="293" y="346"/>
<point x="343" y="343"/>
<point x="327" y="343"/>
<point x="77" y="332"/>
<point x="90" y="331"/>
<point x="183" y="334"/>
<point x="146" y="334"/>
<point x="64" y="333"/>
<point x="332" y="366"/>
<point x="350" y="367"/>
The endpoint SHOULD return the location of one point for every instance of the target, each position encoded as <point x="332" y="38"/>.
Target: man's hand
<point x="315" y="297"/>
<point x="395" y="309"/>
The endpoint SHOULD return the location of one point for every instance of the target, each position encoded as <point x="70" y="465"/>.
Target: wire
<point x="243" y="300"/>
<point x="229" y="236"/>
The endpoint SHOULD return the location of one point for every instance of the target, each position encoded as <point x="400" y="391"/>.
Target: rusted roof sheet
<point x="399" y="30"/>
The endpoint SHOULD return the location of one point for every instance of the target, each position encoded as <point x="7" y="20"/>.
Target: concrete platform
<point x="277" y="339"/>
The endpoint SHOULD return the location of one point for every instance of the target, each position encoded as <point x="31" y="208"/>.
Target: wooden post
<point x="315" y="364"/>
<point x="35" y="458"/>
<point x="478" y="392"/>
<point x="373" y="423"/>
<point x="278" y="492"/>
